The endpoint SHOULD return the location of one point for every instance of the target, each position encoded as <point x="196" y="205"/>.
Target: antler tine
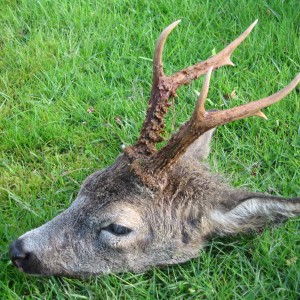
<point x="202" y="121"/>
<point x="185" y="76"/>
<point x="226" y="52"/>
<point x="199" y="112"/>
<point x="157" y="60"/>
<point x="217" y="118"/>
<point x="158" y="104"/>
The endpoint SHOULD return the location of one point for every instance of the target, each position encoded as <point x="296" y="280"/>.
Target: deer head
<point x="155" y="207"/>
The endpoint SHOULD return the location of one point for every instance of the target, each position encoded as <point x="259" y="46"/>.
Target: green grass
<point x="58" y="58"/>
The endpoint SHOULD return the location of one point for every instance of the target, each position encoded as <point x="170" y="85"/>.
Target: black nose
<point x="25" y="261"/>
<point x="17" y="253"/>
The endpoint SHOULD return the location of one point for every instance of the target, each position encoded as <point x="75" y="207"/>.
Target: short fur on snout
<point x="155" y="207"/>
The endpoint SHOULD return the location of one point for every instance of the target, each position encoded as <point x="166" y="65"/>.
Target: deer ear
<point x="201" y="147"/>
<point x="253" y="214"/>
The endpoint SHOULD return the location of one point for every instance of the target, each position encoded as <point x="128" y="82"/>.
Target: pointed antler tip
<point x="199" y="111"/>
<point x="253" y="24"/>
<point x="249" y="29"/>
<point x="172" y="26"/>
<point x="157" y="60"/>
<point x="295" y="82"/>
<point x="260" y="114"/>
<point x="230" y="63"/>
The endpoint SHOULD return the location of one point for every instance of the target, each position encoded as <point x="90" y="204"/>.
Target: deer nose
<point x="17" y="254"/>
<point x="23" y="259"/>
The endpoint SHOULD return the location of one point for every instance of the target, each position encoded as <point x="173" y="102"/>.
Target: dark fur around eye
<point x="117" y="229"/>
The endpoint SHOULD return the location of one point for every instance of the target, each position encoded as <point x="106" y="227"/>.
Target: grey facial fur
<point x="167" y="227"/>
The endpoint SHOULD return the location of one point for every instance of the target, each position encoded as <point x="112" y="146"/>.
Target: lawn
<point x="75" y="78"/>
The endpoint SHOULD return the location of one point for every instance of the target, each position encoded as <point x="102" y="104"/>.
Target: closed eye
<point x="117" y="229"/>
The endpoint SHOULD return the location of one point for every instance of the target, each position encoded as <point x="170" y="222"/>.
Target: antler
<point x="164" y="87"/>
<point x="149" y="163"/>
<point x="202" y="121"/>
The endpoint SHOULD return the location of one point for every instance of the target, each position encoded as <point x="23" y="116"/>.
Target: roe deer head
<point x="155" y="207"/>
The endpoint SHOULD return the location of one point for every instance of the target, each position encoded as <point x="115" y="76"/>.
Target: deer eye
<point x="117" y="229"/>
